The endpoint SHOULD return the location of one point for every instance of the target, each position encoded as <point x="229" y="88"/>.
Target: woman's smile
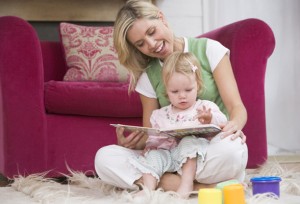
<point x="160" y="48"/>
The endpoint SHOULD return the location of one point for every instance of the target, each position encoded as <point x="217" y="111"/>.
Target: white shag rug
<point x="82" y="189"/>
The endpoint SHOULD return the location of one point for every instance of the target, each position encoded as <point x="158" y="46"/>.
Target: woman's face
<point x="152" y="37"/>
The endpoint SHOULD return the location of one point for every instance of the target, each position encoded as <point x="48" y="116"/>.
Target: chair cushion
<point x="91" y="99"/>
<point x="90" y="54"/>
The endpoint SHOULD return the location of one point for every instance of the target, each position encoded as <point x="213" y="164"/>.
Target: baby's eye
<point x="188" y="90"/>
<point x="174" y="92"/>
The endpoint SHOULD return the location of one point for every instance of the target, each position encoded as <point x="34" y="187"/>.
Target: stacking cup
<point x="234" y="194"/>
<point x="266" y="184"/>
<point x="210" y="196"/>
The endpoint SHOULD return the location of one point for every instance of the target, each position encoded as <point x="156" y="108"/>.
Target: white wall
<point x="184" y="16"/>
<point x="192" y="17"/>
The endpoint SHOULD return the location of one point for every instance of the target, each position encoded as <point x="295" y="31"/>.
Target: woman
<point x="143" y="40"/>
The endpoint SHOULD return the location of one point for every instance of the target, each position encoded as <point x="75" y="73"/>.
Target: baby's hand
<point x="204" y="115"/>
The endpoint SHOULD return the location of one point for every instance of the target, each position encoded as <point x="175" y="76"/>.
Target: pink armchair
<point x="35" y="139"/>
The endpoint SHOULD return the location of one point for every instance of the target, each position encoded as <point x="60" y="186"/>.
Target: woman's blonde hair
<point x="129" y="56"/>
<point x="184" y="63"/>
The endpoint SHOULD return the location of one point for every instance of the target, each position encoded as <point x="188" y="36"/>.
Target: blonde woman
<point x="143" y="40"/>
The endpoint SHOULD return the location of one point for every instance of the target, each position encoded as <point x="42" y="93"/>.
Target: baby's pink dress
<point x="165" y="154"/>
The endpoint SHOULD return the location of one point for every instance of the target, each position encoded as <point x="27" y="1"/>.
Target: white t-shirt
<point x="215" y="51"/>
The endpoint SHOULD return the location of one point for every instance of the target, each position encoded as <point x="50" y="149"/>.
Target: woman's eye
<point x="151" y="31"/>
<point x="140" y="44"/>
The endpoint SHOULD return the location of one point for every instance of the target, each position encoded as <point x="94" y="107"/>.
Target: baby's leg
<point x="149" y="182"/>
<point x="186" y="155"/>
<point x="153" y="165"/>
<point x="187" y="177"/>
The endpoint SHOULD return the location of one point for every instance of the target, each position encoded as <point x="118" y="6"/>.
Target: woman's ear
<point x="162" y="17"/>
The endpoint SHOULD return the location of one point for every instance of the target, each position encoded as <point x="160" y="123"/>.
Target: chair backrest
<point x="251" y="43"/>
<point x="53" y="59"/>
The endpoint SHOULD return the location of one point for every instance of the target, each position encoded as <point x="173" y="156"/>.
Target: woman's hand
<point x="231" y="129"/>
<point x="131" y="141"/>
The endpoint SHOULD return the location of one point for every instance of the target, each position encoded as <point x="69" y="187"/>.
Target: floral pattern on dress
<point x="178" y="118"/>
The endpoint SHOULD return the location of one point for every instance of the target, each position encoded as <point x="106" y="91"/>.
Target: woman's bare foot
<point x="169" y="182"/>
<point x="198" y="186"/>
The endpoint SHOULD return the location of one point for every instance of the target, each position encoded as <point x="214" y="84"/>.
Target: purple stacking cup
<point x="266" y="184"/>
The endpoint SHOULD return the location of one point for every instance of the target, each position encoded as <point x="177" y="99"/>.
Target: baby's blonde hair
<point x="182" y="63"/>
<point x="129" y="56"/>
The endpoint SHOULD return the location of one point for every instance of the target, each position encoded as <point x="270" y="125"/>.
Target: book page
<point x="207" y="130"/>
<point x="132" y="128"/>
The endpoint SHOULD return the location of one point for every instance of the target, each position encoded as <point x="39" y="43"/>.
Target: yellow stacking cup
<point x="210" y="196"/>
<point x="234" y="194"/>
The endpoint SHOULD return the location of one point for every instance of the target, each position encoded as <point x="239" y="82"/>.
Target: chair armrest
<point x="21" y="90"/>
<point x="251" y="43"/>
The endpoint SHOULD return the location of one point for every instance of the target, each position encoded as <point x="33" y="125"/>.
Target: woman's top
<point x="209" y="53"/>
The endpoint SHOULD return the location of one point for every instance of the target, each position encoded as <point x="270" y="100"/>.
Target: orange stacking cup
<point x="234" y="194"/>
<point x="209" y="196"/>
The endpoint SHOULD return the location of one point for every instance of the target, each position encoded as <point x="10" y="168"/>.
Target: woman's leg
<point x="225" y="159"/>
<point x="112" y="166"/>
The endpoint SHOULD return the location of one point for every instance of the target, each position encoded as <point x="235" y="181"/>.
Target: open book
<point x="207" y="130"/>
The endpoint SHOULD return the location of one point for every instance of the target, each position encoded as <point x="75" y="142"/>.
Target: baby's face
<point x="182" y="90"/>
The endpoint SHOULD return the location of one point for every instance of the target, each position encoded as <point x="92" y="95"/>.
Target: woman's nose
<point x="151" y="43"/>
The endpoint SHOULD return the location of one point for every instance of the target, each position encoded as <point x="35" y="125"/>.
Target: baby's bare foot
<point x="185" y="190"/>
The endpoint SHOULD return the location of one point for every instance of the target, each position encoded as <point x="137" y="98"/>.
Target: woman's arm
<point x="137" y="140"/>
<point x="229" y="92"/>
<point x="149" y="105"/>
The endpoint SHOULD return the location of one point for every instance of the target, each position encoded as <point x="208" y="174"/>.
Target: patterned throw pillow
<point x="90" y="54"/>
